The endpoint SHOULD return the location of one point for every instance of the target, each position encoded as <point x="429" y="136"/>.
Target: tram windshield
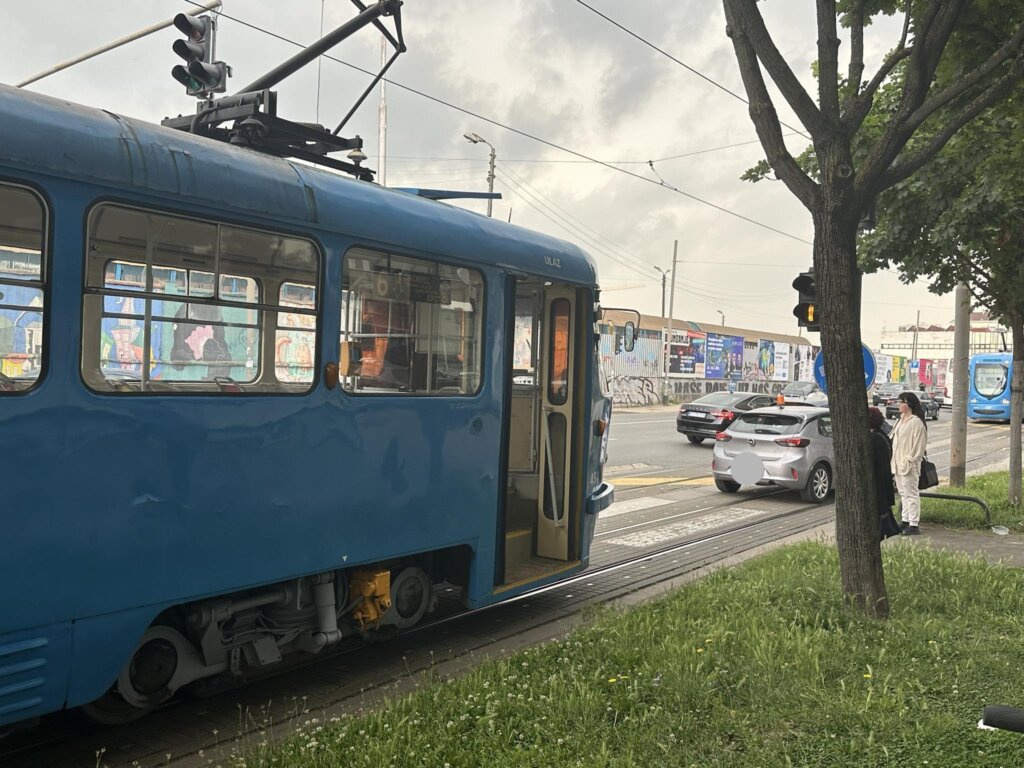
<point x="990" y="379"/>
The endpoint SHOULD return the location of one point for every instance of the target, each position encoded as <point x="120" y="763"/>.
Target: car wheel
<point x="726" y="486"/>
<point x="695" y="439"/>
<point x="819" y="484"/>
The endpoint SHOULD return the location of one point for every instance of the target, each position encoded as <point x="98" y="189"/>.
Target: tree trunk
<point x="839" y="293"/>
<point x="1016" y="409"/>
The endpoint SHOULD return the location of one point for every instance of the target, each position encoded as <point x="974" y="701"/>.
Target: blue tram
<point x="249" y="408"/>
<point x="989" y="388"/>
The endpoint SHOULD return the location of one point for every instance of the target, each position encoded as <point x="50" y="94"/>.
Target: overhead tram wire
<point x="522" y="133"/>
<point x="528" y="198"/>
<point x="685" y="66"/>
<point x="536" y="201"/>
<point x="581" y="162"/>
<point x="622" y="252"/>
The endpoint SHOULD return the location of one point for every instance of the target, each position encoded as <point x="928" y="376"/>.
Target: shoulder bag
<point x="929" y="475"/>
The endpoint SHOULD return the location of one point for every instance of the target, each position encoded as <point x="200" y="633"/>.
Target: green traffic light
<point x="182" y="75"/>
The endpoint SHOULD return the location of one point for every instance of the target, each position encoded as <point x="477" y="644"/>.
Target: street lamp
<point x="720" y="312"/>
<point x="664" y="280"/>
<point x="475" y="138"/>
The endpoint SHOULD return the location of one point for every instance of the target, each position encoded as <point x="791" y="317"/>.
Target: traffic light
<point x="202" y="75"/>
<point x="806" y="312"/>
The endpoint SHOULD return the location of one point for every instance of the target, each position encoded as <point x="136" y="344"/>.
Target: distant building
<point x="935" y="342"/>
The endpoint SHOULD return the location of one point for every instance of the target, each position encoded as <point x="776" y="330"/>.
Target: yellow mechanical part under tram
<point x="374" y="590"/>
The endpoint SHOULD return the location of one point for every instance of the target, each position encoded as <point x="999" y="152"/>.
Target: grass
<point x="989" y="487"/>
<point x="754" y="666"/>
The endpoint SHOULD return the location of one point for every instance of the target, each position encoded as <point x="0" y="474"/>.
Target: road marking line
<point x="634" y="505"/>
<point x="685" y="528"/>
<point x="642" y="482"/>
<point x="627" y="468"/>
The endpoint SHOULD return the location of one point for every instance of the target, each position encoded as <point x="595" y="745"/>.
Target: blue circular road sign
<point x="869" y="368"/>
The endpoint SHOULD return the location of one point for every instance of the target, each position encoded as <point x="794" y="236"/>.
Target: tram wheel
<point x="411" y="595"/>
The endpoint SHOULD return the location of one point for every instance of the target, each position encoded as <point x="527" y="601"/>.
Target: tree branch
<point x="828" y="61"/>
<point x="763" y="114"/>
<point x="1009" y="50"/>
<point x="744" y="20"/>
<point x="856" y="70"/>
<point x="934" y="30"/>
<point x="902" y="170"/>
<point x="860" y="105"/>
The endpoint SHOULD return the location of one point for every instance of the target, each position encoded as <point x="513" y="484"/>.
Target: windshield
<point x="990" y="379"/>
<point x="767" y="424"/>
<point x="799" y="388"/>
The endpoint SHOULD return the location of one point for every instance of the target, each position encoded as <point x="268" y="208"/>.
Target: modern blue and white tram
<point x="249" y="408"/>
<point x="989" y="389"/>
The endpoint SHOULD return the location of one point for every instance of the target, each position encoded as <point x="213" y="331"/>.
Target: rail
<point x="956" y="497"/>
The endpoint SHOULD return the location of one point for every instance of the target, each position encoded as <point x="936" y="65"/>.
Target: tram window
<point x="179" y="305"/>
<point x="417" y="325"/>
<point x="22" y="288"/>
<point x="295" y="340"/>
<point x="558" y="354"/>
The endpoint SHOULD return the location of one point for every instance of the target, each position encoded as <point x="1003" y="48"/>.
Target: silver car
<point x="786" y="447"/>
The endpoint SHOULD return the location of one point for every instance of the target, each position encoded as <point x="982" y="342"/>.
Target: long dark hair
<point x="915" y="406"/>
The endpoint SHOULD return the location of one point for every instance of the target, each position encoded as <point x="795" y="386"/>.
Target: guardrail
<point x="955" y="497"/>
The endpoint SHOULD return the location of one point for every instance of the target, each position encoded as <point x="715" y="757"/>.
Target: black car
<point x="884" y="392"/>
<point x="931" y="407"/>
<point x="709" y="415"/>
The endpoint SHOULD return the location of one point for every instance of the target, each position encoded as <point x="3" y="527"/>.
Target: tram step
<point x="518" y="547"/>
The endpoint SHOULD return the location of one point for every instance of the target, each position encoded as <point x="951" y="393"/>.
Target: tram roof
<point x="72" y="141"/>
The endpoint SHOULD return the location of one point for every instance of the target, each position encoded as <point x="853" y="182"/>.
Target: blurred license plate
<point x="698" y="414"/>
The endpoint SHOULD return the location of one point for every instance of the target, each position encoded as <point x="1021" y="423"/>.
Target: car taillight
<point x="793" y="442"/>
<point x="722" y="437"/>
<point x="724" y="414"/>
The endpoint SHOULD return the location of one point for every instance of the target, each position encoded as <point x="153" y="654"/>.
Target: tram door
<point x="557" y="361"/>
<point x="539" y="518"/>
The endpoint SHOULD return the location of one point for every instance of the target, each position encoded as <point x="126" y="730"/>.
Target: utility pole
<point x="668" y="341"/>
<point x="961" y="351"/>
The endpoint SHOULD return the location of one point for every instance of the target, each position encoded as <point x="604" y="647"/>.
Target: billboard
<point x="687" y="353"/>
<point x="723" y="357"/>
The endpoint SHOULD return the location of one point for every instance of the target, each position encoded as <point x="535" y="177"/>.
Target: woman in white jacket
<point x="909" y="442"/>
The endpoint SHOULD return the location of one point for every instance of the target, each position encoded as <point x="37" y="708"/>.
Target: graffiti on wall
<point x="634" y="390"/>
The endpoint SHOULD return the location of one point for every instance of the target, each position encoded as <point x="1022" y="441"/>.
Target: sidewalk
<point x="1008" y="549"/>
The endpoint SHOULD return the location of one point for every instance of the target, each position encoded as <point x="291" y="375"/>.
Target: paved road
<point x="644" y="447"/>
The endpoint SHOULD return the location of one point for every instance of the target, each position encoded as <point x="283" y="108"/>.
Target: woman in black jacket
<point x="881" y="457"/>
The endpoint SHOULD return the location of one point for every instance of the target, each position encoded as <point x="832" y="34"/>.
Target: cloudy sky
<point x="601" y="139"/>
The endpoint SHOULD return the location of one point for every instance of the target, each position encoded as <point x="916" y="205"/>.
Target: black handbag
<point x="929" y="475"/>
<point x="888" y="525"/>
